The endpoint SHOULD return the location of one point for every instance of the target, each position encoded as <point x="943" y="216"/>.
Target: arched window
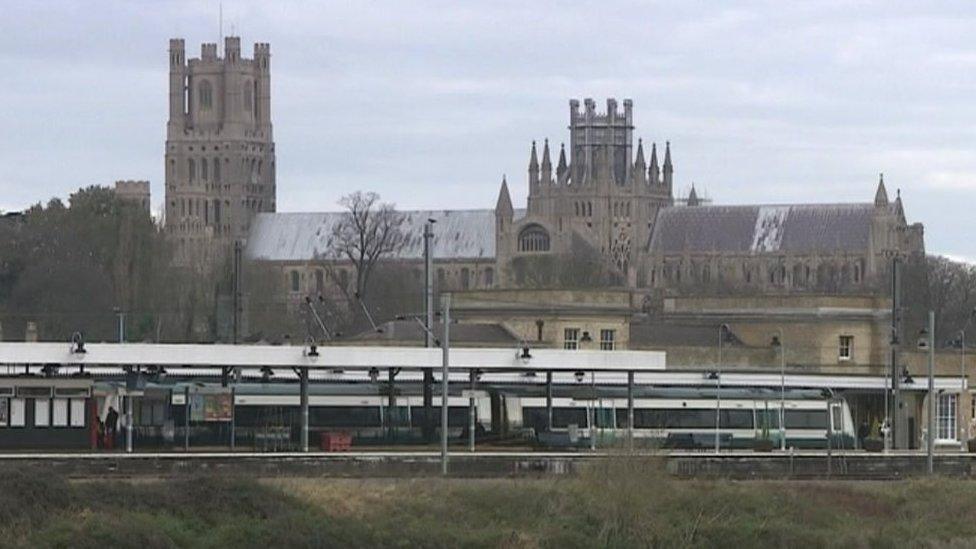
<point x="465" y="278"/>
<point x="203" y="169"/>
<point x="533" y="238"/>
<point x="577" y="208"/>
<point x="248" y="97"/>
<point x="216" y="170"/>
<point x="294" y="282"/>
<point x="489" y="277"/>
<point x="205" y="94"/>
<point x="319" y="281"/>
<point x="589" y="208"/>
<point x="191" y="169"/>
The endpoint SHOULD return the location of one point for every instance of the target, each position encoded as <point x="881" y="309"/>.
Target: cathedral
<point x="219" y="157"/>
<point x="604" y="196"/>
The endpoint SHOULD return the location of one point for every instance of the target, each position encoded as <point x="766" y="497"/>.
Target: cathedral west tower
<point x="220" y="158"/>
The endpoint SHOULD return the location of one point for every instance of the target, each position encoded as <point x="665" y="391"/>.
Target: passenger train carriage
<point x="687" y="418"/>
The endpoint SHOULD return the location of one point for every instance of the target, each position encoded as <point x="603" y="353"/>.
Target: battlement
<point x="208" y="51"/>
<point x="176" y="44"/>
<point x="262" y="48"/>
<point x="590" y="116"/>
<point x="232" y="48"/>
<point x="133" y="191"/>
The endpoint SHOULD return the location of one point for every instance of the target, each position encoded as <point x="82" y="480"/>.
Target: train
<point x="678" y="418"/>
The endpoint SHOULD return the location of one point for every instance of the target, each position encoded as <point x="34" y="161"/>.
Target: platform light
<point x="374" y="374"/>
<point x="579" y="375"/>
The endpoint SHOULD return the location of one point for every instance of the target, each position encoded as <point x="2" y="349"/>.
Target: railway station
<point x="160" y="397"/>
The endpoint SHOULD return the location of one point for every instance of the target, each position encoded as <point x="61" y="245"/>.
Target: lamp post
<point x="777" y="342"/>
<point x="962" y="373"/>
<point x="926" y="341"/>
<point x="723" y="331"/>
<point x="446" y="348"/>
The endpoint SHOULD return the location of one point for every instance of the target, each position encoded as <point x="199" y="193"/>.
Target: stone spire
<point x="503" y="208"/>
<point x="546" y="164"/>
<point x="693" y="197"/>
<point x="562" y="167"/>
<point x="640" y="168"/>
<point x="881" y="195"/>
<point x="533" y="168"/>
<point x="668" y="169"/>
<point x="654" y="173"/>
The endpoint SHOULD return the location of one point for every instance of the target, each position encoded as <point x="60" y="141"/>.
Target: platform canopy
<point x="329" y="357"/>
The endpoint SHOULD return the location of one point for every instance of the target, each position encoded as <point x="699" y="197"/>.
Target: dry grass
<point x="619" y="502"/>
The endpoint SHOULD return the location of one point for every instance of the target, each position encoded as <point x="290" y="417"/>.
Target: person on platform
<point x="111" y="426"/>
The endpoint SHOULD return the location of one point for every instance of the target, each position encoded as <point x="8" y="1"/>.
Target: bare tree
<point x="368" y="231"/>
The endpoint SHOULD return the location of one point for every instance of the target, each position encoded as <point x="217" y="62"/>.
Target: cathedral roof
<point x="458" y="234"/>
<point x="797" y="229"/>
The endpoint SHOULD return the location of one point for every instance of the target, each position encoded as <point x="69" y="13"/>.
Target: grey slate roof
<point x="756" y="229"/>
<point x="458" y="234"/>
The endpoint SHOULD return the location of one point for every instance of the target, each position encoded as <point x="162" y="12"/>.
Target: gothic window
<point x="589" y="208"/>
<point x="577" y="208"/>
<point x="857" y="273"/>
<point x="489" y="277"/>
<point x="628" y="209"/>
<point x="216" y="170"/>
<point x="191" y="169"/>
<point x="248" y="97"/>
<point x="295" y="287"/>
<point x="440" y="278"/>
<point x="706" y="274"/>
<point x="798" y="275"/>
<point x="205" y="92"/>
<point x="533" y="238"/>
<point x="216" y="211"/>
<point x="344" y="278"/>
<point x="203" y="169"/>
<point x="465" y="278"/>
<point x="319" y="281"/>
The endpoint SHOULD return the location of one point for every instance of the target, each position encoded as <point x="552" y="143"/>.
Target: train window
<point x="397" y="416"/>
<point x="806" y="419"/>
<point x="563" y="417"/>
<point x="603" y="418"/>
<point x="650" y="419"/>
<point x="4" y="413"/>
<point x="622" y="422"/>
<point x="736" y="419"/>
<point x="838" y="417"/>
<point x="771" y="420"/>
<point x="457" y="416"/>
<point x="344" y="416"/>
<point x="535" y="418"/>
<point x="691" y="419"/>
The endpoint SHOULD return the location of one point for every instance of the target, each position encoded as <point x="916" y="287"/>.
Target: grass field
<point x="620" y="503"/>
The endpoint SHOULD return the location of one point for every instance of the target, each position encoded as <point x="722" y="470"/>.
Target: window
<point x="60" y="412"/>
<point x="248" y="97"/>
<point x="77" y="412"/>
<point x="203" y="170"/>
<point x="205" y="93"/>
<point x="18" y="412"/>
<point x="319" y="281"/>
<point x="191" y="169"/>
<point x="42" y="412"/>
<point x="945" y="417"/>
<point x="465" y="278"/>
<point x="216" y="170"/>
<point x="571" y="338"/>
<point x="846" y="347"/>
<point x="607" y="339"/>
<point x="295" y="286"/>
<point x="489" y="277"/>
<point x="533" y="238"/>
<point x="4" y="415"/>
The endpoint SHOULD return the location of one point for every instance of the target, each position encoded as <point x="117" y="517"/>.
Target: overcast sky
<point x="429" y="103"/>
